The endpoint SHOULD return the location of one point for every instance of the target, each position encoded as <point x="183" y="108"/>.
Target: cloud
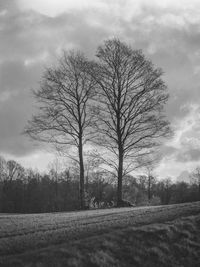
<point x="53" y="8"/>
<point x="188" y="155"/>
<point x="39" y="159"/>
<point x="16" y="105"/>
<point x="182" y="152"/>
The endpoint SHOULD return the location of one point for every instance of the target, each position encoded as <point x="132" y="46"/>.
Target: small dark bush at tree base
<point x="125" y="203"/>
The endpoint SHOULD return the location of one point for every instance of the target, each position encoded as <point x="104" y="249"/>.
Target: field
<point x="145" y="236"/>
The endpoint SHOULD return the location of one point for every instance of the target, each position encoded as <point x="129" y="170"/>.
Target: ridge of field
<point x="22" y="233"/>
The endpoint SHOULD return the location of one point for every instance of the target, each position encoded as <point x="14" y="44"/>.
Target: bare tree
<point x="195" y="178"/>
<point x="92" y="163"/>
<point x="14" y="170"/>
<point x="64" y="118"/>
<point x="3" y="168"/>
<point x="148" y="164"/>
<point x="131" y="97"/>
<point x="54" y="172"/>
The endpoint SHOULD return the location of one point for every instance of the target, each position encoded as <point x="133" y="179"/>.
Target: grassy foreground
<point x="153" y="236"/>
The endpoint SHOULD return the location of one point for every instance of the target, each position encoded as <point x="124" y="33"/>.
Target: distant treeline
<point x="27" y="191"/>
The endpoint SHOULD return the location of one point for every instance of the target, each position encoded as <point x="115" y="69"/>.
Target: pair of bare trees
<point x="117" y="101"/>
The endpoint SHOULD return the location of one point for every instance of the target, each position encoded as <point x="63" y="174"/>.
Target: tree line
<point x="114" y="102"/>
<point x="27" y="191"/>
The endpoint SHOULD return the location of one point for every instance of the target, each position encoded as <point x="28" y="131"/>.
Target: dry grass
<point x="118" y="237"/>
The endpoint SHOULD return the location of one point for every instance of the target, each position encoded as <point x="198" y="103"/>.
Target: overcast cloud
<point x="33" y="34"/>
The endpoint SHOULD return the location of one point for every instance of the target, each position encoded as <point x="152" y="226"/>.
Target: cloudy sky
<point x="33" y="34"/>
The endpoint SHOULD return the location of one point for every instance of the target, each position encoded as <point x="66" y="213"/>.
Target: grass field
<point x="147" y="236"/>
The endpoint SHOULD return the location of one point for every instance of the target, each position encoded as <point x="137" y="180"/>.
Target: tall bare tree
<point x="131" y="97"/>
<point x="64" y="117"/>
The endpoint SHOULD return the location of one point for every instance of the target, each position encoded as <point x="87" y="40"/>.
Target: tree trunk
<point x="120" y="176"/>
<point x="149" y="188"/>
<point x="199" y="189"/>
<point x="82" y="184"/>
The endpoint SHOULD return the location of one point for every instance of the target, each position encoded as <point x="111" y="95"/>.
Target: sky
<point x="34" y="33"/>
